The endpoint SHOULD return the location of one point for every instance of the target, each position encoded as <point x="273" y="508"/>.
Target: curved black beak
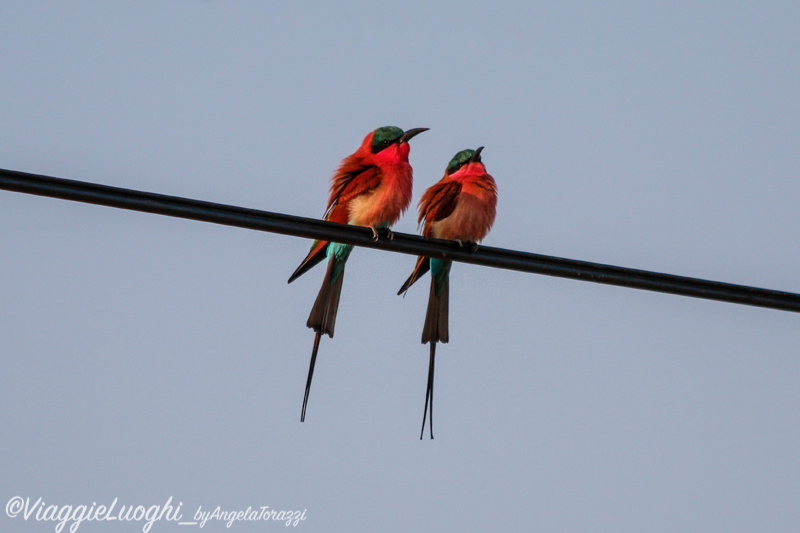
<point x="404" y="138"/>
<point x="476" y="157"/>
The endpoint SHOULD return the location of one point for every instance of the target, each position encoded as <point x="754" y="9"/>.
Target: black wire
<point x="404" y="243"/>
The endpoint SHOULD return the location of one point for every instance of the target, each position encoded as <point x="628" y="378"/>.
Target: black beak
<point x="404" y="138"/>
<point x="476" y="157"/>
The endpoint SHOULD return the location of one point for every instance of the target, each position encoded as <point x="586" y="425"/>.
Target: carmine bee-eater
<point x="371" y="187"/>
<point x="460" y="207"/>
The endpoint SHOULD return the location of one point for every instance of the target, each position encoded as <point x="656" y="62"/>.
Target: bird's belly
<point x="469" y="221"/>
<point x="381" y="207"/>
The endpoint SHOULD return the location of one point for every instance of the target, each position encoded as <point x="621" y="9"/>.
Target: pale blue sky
<point x="149" y="357"/>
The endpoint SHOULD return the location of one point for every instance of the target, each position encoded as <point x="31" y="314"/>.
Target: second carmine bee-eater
<point x="460" y="207"/>
<point x="371" y="187"/>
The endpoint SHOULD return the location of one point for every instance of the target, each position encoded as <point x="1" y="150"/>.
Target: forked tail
<point x="310" y="375"/>
<point x="323" y="316"/>
<point x="429" y="394"/>
<point x="436" y="320"/>
<point x="436" y="326"/>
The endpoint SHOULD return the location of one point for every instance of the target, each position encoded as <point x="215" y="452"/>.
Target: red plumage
<point x="461" y="206"/>
<point x="371" y="187"/>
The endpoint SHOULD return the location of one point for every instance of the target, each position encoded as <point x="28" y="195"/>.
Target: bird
<point x="460" y="207"/>
<point x="371" y="187"/>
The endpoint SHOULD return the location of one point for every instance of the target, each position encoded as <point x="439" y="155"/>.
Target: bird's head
<point x="387" y="136"/>
<point x="390" y="144"/>
<point x="463" y="159"/>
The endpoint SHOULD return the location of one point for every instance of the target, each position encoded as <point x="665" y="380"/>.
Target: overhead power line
<point x="255" y="219"/>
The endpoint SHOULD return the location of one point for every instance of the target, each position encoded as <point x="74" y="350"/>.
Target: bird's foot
<point x="473" y="246"/>
<point x="376" y="232"/>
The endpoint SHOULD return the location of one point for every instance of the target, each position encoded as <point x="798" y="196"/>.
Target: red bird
<point x="371" y="187"/>
<point x="460" y="207"/>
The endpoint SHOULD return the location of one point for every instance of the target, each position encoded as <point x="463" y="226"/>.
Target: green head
<point x="389" y="135"/>
<point x="462" y="158"/>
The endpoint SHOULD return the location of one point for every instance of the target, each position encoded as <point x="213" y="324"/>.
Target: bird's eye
<point x="380" y="145"/>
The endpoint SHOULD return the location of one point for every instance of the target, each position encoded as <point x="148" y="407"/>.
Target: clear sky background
<point x="146" y="357"/>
